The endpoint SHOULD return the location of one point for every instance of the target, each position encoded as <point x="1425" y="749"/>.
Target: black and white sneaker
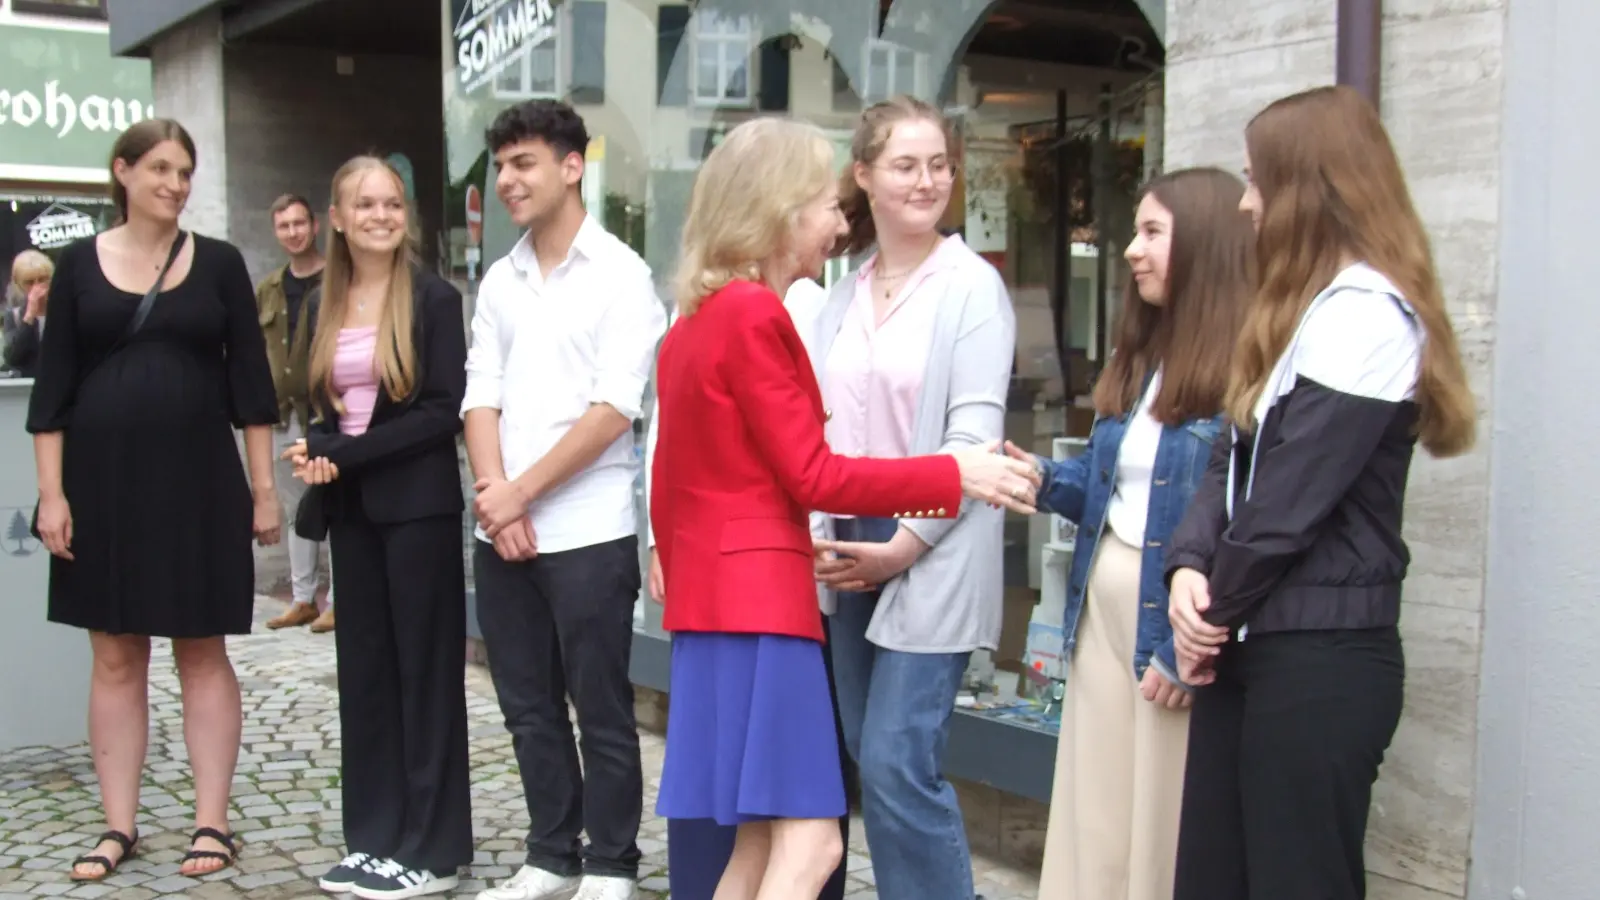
<point x="343" y="877"/>
<point x="390" y="880"/>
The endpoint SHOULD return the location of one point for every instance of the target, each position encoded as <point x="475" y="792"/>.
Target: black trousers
<point x="698" y="850"/>
<point x="402" y="641"/>
<point x="1283" y="749"/>
<point x="561" y="625"/>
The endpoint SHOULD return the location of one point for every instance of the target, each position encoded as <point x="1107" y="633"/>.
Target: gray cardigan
<point x="949" y="601"/>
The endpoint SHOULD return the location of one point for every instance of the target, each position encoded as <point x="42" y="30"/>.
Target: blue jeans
<point x="895" y="710"/>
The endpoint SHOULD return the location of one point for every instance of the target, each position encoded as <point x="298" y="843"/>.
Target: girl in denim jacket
<point x="1119" y="771"/>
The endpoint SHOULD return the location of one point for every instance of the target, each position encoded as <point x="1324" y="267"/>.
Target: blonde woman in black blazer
<point x="387" y="374"/>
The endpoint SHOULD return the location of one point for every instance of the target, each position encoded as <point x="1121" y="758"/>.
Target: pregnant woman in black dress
<point x="143" y="502"/>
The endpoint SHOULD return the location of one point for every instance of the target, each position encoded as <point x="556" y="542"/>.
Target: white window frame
<point x="523" y="67"/>
<point x="721" y="35"/>
<point x="873" y="93"/>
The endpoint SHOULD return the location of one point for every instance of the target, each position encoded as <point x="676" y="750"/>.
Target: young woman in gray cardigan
<point x="914" y="355"/>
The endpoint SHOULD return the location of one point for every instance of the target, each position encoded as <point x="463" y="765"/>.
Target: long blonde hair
<point x="1332" y="190"/>
<point x="746" y="202"/>
<point x="395" y="357"/>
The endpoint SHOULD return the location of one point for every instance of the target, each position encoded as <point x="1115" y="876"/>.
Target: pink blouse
<point x="872" y="378"/>
<point x="355" y="377"/>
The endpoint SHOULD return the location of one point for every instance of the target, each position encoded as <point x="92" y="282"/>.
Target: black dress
<point x="161" y="507"/>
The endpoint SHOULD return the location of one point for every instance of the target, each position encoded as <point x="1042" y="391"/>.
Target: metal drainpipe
<point x="1360" y="46"/>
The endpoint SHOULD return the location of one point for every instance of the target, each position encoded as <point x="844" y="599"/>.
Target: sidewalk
<point x="286" y="794"/>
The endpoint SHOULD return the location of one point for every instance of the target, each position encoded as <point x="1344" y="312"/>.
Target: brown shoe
<point x="324" y="623"/>
<point x="295" y="616"/>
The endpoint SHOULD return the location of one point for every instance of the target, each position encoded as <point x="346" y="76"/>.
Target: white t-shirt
<point x="1136" y="463"/>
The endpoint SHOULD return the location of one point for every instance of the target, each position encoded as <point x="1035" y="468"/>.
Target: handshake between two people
<point x="1008" y="480"/>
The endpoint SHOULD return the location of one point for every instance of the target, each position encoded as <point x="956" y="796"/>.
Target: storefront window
<point x="1054" y="132"/>
<point x="49" y="222"/>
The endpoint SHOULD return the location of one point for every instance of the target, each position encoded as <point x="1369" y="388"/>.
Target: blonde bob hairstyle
<point x="746" y="203"/>
<point x="396" y="358"/>
<point x="31" y="265"/>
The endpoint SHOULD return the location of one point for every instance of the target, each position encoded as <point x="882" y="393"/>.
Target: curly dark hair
<point x="551" y="121"/>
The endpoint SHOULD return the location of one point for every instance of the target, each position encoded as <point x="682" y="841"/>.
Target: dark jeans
<point x="558" y="626"/>
<point x="698" y="850"/>
<point x="1283" y="749"/>
<point x="402" y="647"/>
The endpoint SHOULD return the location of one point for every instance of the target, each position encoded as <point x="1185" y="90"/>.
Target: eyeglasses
<point x="940" y="170"/>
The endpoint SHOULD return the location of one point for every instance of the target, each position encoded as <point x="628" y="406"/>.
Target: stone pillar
<point x="187" y="84"/>
<point x="187" y="75"/>
<point x="1443" y="79"/>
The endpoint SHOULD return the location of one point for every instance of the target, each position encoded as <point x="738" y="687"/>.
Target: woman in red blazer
<point x="740" y="462"/>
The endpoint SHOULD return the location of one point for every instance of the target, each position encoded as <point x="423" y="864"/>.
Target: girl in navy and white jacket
<point x="1286" y="572"/>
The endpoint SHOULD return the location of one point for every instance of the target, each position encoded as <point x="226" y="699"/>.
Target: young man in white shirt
<point x="563" y="341"/>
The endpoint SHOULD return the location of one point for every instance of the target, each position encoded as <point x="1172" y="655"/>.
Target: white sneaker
<point x="533" y="884"/>
<point x="606" y="887"/>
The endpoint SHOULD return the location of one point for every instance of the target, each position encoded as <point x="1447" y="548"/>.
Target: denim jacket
<point x="1080" y="489"/>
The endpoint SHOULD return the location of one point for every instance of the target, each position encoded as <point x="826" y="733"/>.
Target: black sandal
<point x="225" y="840"/>
<point x="130" y="849"/>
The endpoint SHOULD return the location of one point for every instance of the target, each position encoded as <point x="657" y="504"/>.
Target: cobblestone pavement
<point x="286" y="794"/>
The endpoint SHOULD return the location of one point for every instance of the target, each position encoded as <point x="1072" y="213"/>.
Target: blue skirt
<point x="750" y="731"/>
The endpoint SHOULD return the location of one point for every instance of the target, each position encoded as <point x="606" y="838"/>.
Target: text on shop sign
<point x="60" y="112"/>
<point x="490" y="34"/>
<point x="59" y="226"/>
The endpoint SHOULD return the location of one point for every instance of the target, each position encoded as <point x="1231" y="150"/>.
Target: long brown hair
<point x="1192" y="333"/>
<point x="134" y="142"/>
<point x="395" y="357"/>
<point x="1331" y="191"/>
<point x="872" y="135"/>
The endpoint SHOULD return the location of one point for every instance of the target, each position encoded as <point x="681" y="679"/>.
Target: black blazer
<point x="404" y="467"/>
<point x="22" y="344"/>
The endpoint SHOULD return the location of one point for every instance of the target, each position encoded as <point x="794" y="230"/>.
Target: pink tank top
<point x="355" y="378"/>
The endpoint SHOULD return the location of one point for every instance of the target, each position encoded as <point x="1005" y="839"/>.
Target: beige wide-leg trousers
<point x="1113" y="832"/>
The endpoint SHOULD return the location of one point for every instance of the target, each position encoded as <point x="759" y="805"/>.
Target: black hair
<point x="551" y="121"/>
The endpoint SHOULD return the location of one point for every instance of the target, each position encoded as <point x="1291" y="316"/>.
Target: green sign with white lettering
<point x="63" y="100"/>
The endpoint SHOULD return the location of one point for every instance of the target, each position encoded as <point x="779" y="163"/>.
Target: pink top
<point x="355" y="377"/>
<point x="872" y="378"/>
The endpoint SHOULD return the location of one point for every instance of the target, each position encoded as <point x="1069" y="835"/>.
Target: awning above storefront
<point x="348" y="26"/>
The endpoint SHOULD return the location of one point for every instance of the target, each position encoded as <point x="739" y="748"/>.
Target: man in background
<point x="281" y="300"/>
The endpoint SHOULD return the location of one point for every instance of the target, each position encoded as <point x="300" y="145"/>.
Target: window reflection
<point x="722" y="47"/>
<point x="1045" y="198"/>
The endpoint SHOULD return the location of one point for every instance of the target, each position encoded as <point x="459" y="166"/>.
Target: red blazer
<point x="740" y="462"/>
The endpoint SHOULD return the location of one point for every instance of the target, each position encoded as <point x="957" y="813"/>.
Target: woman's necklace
<point x="888" y="280"/>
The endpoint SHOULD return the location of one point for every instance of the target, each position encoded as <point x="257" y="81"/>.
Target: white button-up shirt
<point x="544" y="350"/>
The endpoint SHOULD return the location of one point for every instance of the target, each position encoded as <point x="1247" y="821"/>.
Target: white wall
<point x="1538" y="777"/>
